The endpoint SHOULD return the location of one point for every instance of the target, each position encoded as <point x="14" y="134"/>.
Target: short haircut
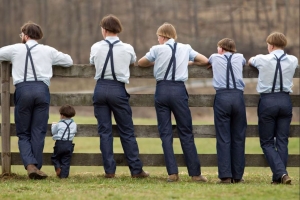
<point x="277" y="39"/>
<point x="227" y="44"/>
<point x="32" y="30"/>
<point x="67" y="111"/>
<point x="167" y="30"/>
<point x="111" y="23"/>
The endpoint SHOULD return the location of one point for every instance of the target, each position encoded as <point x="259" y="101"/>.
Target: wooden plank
<point x="88" y="71"/>
<point x="147" y="100"/>
<point x="207" y="160"/>
<point x="5" y="122"/>
<point x="150" y="131"/>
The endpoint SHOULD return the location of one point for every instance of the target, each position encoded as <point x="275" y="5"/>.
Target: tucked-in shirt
<point x="161" y="55"/>
<point x="266" y="65"/>
<point x="59" y="128"/>
<point x="43" y="57"/>
<point x="123" y="56"/>
<point x="219" y="67"/>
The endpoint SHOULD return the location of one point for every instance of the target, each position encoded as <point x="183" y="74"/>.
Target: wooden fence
<point x="142" y="131"/>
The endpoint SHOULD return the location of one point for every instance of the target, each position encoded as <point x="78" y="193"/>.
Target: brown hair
<point x="167" y="30"/>
<point x="111" y="23"/>
<point x="227" y="44"/>
<point x="67" y="111"/>
<point x="32" y="30"/>
<point x="277" y="39"/>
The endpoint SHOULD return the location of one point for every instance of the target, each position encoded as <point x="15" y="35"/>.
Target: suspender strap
<point x="278" y="67"/>
<point x="26" y="62"/>
<point x="110" y="55"/>
<point x="67" y="128"/>
<point x="229" y="68"/>
<point x="173" y="60"/>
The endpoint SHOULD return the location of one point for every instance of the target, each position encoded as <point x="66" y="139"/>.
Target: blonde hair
<point x="167" y="30"/>
<point x="227" y="44"/>
<point x="277" y="39"/>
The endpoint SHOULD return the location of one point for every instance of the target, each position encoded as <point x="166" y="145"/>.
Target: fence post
<point x="5" y="124"/>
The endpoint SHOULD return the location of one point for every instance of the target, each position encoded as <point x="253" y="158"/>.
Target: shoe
<point x="35" y="173"/>
<point x="58" y="170"/>
<point x="238" y="180"/>
<point x="173" y="178"/>
<point x="225" y="181"/>
<point x="286" y="179"/>
<point x="109" y="175"/>
<point x="275" y="183"/>
<point x="199" y="178"/>
<point x="143" y="174"/>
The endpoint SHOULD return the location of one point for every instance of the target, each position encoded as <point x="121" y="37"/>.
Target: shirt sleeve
<point x="6" y="53"/>
<point x="253" y="61"/>
<point x="210" y="59"/>
<point x="54" y="128"/>
<point x="133" y="55"/>
<point x="151" y="55"/>
<point x="192" y="53"/>
<point x="92" y="55"/>
<point x="61" y="59"/>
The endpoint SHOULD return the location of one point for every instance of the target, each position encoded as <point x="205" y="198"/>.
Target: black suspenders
<point x="229" y="68"/>
<point x="110" y="56"/>
<point x="26" y="62"/>
<point x="67" y="128"/>
<point x="278" y="67"/>
<point x="173" y="60"/>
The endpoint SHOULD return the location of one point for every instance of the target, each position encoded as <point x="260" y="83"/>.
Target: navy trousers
<point x="32" y="101"/>
<point x="62" y="156"/>
<point x="274" y="119"/>
<point x="230" y="124"/>
<point x="111" y="96"/>
<point x="171" y="96"/>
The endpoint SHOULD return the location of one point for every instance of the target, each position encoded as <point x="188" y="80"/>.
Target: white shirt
<point x="219" y="67"/>
<point x="123" y="55"/>
<point x="43" y="57"/>
<point x="59" y="128"/>
<point x="162" y="54"/>
<point x="266" y="65"/>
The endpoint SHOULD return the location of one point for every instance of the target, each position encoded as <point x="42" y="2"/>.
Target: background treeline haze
<point x="72" y="26"/>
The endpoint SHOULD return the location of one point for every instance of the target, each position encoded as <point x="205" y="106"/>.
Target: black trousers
<point x="62" y="155"/>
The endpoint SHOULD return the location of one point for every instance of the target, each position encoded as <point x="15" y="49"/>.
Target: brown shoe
<point x="143" y="174"/>
<point x="224" y="181"/>
<point x="286" y="179"/>
<point x="199" y="178"/>
<point x="58" y="170"/>
<point x="109" y="175"/>
<point x="173" y="178"/>
<point x="35" y="173"/>
<point x="238" y="180"/>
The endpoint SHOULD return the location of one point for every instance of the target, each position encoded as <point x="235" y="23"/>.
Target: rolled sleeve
<point x="61" y="59"/>
<point x="151" y="55"/>
<point x="192" y="53"/>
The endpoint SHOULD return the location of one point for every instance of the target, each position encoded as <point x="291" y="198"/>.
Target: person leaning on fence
<point x="229" y="111"/>
<point x="170" y="61"/>
<point x="275" y="82"/>
<point x="31" y="71"/>
<point x="112" y="59"/>
<point x="63" y="133"/>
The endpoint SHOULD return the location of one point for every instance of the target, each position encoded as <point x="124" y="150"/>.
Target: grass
<point x="88" y="182"/>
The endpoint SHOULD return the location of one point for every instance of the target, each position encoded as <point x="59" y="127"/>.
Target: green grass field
<point x="89" y="183"/>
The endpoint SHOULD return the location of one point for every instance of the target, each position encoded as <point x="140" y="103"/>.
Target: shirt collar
<point x="277" y="52"/>
<point x="112" y="38"/>
<point x="66" y="120"/>
<point x="31" y="42"/>
<point x="170" y="41"/>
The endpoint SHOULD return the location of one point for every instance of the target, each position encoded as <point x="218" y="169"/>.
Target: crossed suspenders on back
<point x="278" y="67"/>
<point x="229" y="69"/>
<point x="26" y="63"/>
<point x="110" y="56"/>
<point x="173" y="60"/>
<point x="67" y="129"/>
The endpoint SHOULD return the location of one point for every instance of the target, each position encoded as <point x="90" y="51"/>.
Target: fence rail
<point x="9" y="158"/>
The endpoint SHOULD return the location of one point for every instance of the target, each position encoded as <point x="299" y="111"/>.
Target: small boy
<point x="229" y="111"/>
<point x="63" y="133"/>
<point x="275" y="110"/>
